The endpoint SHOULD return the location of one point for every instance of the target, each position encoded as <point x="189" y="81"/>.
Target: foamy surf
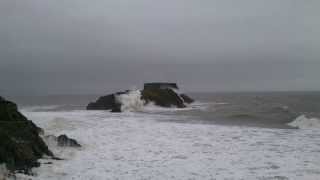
<point x="304" y="122"/>
<point x="131" y="101"/>
<point x="134" y="145"/>
<point x="4" y="173"/>
<point x="152" y="108"/>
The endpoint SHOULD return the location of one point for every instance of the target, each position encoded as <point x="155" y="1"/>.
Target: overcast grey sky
<point x="98" y="46"/>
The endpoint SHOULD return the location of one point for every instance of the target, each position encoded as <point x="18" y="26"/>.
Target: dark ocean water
<point x="271" y="109"/>
<point x="265" y="109"/>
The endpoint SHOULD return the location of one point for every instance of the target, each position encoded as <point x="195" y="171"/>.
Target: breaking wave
<point x="4" y="173"/>
<point x="131" y="101"/>
<point x="304" y="122"/>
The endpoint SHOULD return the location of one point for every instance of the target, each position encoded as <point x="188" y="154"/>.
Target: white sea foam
<point x="304" y="122"/>
<point x="3" y="172"/>
<point x="131" y="101"/>
<point x="134" y="145"/>
<point x="152" y="108"/>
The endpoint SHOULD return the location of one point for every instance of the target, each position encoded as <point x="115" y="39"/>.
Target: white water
<point x="146" y="146"/>
<point x="131" y="101"/>
<point x="304" y="122"/>
<point x="3" y="172"/>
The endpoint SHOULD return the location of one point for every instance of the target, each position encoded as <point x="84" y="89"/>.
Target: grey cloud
<point x="80" y="46"/>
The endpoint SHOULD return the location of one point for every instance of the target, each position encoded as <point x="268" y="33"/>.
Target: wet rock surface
<point x="103" y="103"/>
<point x="163" y="97"/>
<point x="20" y="143"/>
<point x="161" y="94"/>
<point x="62" y="141"/>
<point x="186" y="98"/>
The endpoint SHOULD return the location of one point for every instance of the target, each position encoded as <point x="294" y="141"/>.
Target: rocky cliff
<point x="20" y="143"/>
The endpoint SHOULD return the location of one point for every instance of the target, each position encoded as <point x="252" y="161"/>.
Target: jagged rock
<point x="20" y="143"/>
<point x="158" y="85"/>
<point x="116" y="109"/>
<point x="108" y="102"/>
<point x="186" y="98"/>
<point x="162" y="94"/>
<point x="64" y="140"/>
<point x="103" y="103"/>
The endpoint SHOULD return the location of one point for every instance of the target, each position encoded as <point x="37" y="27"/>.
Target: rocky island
<point x="161" y="94"/>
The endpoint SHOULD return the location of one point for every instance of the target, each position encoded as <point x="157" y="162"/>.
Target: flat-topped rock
<point x="160" y="85"/>
<point x="159" y="93"/>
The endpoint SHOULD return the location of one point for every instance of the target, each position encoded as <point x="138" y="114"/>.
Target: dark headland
<point x="21" y="145"/>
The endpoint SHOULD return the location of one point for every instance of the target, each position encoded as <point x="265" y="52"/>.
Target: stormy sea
<point x="264" y="135"/>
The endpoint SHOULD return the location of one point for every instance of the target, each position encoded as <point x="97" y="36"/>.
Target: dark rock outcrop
<point x="163" y="97"/>
<point x="108" y="102"/>
<point x="186" y="98"/>
<point x="164" y="94"/>
<point x="161" y="94"/>
<point x="64" y="140"/>
<point x="61" y="141"/>
<point x="158" y="85"/>
<point x="116" y="109"/>
<point x="103" y="103"/>
<point x="20" y="143"/>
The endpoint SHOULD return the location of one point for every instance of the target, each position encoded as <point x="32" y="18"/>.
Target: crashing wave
<point x="304" y="122"/>
<point x="131" y="101"/>
<point x="4" y="173"/>
<point x="161" y="94"/>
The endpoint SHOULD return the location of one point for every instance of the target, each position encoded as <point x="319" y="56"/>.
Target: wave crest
<point x="131" y="101"/>
<point x="304" y="122"/>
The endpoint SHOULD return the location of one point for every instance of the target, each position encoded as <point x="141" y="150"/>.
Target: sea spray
<point x="4" y="173"/>
<point x="304" y="122"/>
<point x="131" y="101"/>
